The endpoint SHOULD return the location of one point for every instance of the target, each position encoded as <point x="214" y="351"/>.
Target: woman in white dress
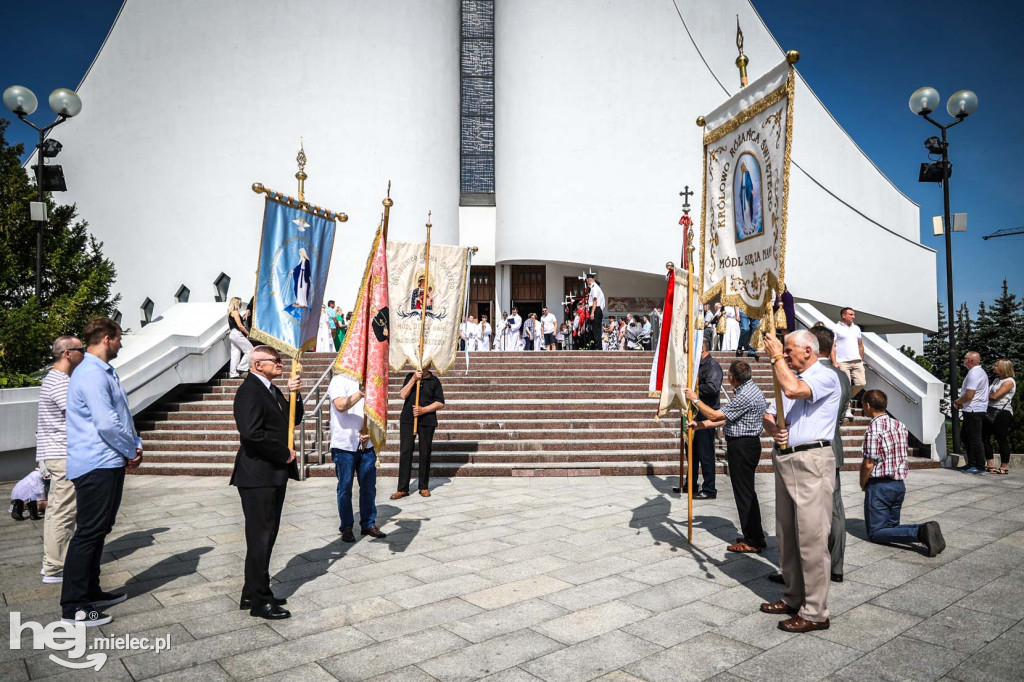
<point x="238" y="336"/>
<point x="731" y="340"/>
<point x="324" y="335"/>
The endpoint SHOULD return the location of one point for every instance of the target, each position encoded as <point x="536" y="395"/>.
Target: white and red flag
<point x="364" y="354"/>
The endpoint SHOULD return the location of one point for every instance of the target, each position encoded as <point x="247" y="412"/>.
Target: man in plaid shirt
<point x="881" y="478"/>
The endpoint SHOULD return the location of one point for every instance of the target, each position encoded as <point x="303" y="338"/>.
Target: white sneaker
<point x="849" y="414"/>
<point x="53" y="579"/>
<point x="89" y="618"/>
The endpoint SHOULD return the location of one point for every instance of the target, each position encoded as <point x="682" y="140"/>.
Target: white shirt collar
<point x="266" y="381"/>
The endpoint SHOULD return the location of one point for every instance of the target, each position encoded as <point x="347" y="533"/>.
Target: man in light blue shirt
<point x="102" y="442"/>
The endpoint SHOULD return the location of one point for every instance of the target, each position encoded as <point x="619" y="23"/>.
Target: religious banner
<point x="661" y="344"/>
<point x="676" y="354"/>
<point x="442" y="297"/>
<point x="746" y="185"/>
<point x="364" y="353"/>
<point x="294" y="259"/>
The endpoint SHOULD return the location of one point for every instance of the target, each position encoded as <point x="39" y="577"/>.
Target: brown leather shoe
<point x="744" y="548"/>
<point x="798" y="624"/>
<point x="399" y="495"/>
<point x="373" y="532"/>
<point x="425" y="493"/>
<point x="778" y="608"/>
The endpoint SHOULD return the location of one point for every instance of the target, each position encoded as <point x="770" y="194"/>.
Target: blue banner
<point x="295" y="257"/>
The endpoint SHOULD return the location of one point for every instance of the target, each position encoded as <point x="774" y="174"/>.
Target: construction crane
<point x="1009" y="231"/>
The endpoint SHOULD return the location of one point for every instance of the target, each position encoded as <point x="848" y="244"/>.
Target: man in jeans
<point x="882" y="472"/>
<point x="102" y="443"/>
<point x="52" y="455"/>
<point x="353" y="457"/>
<point x="973" y="403"/>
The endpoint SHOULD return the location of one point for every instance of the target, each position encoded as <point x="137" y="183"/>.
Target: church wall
<point x="190" y="102"/>
<point x="595" y="138"/>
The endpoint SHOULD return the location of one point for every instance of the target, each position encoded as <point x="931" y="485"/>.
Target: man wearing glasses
<point x="263" y="465"/>
<point x="52" y="455"/>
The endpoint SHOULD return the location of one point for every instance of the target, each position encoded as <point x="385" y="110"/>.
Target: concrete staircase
<point x="513" y="414"/>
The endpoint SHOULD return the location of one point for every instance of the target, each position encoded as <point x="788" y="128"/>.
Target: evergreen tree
<point x="76" y="277"/>
<point x="936" y="347"/>
<point x="1005" y="338"/>
<point x="984" y="331"/>
<point x="963" y="328"/>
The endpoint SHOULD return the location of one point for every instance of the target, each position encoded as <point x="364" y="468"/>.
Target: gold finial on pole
<point x="793" y="56"/>
<point x="301" y="176"/>
<point x="741" y="61"/>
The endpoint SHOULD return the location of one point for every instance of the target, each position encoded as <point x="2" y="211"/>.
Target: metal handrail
<point x="317" y="414"/>
<point x="906" y="397"/>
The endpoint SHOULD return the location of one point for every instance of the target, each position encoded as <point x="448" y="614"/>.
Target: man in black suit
<point x="263" y="465"/>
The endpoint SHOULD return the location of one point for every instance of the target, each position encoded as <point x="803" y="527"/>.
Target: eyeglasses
<point x="78" y="350"/>
<point x="276" y="362"/>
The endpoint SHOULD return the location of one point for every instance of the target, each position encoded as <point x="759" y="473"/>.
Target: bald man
<point x="973" y="404"/>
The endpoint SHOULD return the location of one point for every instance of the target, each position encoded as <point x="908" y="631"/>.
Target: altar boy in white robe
<point x="485" y="333"/>
<point x="513" y="340"/>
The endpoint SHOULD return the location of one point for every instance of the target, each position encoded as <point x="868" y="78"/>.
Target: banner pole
<point x="423" y="319"/>
<point x="301" y="176"/>
<point x="780" y="414"/>
<point x="689" y="383"/>
<point x="388" y="203"/>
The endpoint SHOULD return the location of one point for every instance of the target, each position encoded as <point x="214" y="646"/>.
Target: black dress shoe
<point x="347" y="535"/>
<point x="270" y="612"/>
<point x="837" y="577"/>
<point x="704" y="495"/>
<point x="373" y="532"/>
<point x="776" y="577"/>
<point x="245" y="604"/>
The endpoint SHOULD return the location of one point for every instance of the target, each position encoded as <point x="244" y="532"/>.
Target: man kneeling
<point x="881" y="478"/>
<point x="353" y="456"/>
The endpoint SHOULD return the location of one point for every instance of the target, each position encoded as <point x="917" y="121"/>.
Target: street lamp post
<point x="22" y="102"/>
<point x="961" y="104"/>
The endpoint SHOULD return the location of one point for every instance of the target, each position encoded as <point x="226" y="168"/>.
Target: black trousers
<point x="262" y="510"/>
<point x="704" y="459"/>
<point x="837" y="533"/>
<point x="1001" y="430"/>
<point x="426" y="434"/>
<point x="596" y="327"/>
<point x="743" y="455"/>
<point x="98" y="494"/>
<point x="971" y="438"/>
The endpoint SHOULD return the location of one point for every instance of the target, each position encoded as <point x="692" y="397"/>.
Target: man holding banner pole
<point x="804" y="465"/>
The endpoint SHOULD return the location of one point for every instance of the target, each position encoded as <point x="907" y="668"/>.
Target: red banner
<point x="666" y="327"/>
<point x="364" y="354"/>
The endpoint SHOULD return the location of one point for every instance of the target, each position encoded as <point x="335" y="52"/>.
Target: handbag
<point x="991" y="414"/>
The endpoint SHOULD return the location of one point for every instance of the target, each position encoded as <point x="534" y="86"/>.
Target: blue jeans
<point x="883" y="500"/>
<point x="363" y="465"/>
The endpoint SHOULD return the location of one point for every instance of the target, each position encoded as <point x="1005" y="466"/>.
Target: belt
<point x="732" y="438"/>
<point x="806" y="446"/>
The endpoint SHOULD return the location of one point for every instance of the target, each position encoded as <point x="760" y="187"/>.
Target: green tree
<point x="963" y="328"/>
<point x="936" y="347"/>
<point x="76" y="279"/>
<point x="1005" y="338"/>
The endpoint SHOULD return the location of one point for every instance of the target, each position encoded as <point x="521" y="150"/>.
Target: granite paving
<point x="530" y="578"/>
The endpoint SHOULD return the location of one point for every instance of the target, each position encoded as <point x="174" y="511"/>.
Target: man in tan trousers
<point x="52" y="455"/>
<point x="804" y="478"/>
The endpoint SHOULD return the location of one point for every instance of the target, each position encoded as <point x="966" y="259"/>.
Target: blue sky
<point x="862" y="59"/>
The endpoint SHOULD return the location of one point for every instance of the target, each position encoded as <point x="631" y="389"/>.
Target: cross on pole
<point x="686" y="194"/>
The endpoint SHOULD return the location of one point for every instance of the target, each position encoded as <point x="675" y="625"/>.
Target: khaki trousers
<point x="804" y="482"/>
<point x="59" y="522"/>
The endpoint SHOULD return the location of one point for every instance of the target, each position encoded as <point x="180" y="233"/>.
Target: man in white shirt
<point x="513" y="328"/>
<point x="596" y="302"/>
<point x="354" y="457"/>
<point x="472" y="330"/>
<point x="52" y="456"/>
<point x="848" y="353"/>
<point x="804" y="465"/>
<point x="973" y="404"/>
<point x="548" y="327"/>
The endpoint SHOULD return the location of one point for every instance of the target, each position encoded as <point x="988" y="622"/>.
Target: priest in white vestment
<point x="513" y="331"/>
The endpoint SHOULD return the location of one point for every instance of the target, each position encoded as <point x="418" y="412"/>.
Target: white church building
<point x="554" y="136"/>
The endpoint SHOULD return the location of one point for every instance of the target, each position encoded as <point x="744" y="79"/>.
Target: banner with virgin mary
<point x="746" y="185"/>
<point x="295" y="257"/>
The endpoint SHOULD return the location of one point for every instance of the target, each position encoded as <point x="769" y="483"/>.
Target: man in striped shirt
<point x="881" y="478"/>
<point x="52" y="455"/>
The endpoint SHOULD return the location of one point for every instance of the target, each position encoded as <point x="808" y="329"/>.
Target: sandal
<point x="1001" y="472"/>
<point x="991" y="470"/>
